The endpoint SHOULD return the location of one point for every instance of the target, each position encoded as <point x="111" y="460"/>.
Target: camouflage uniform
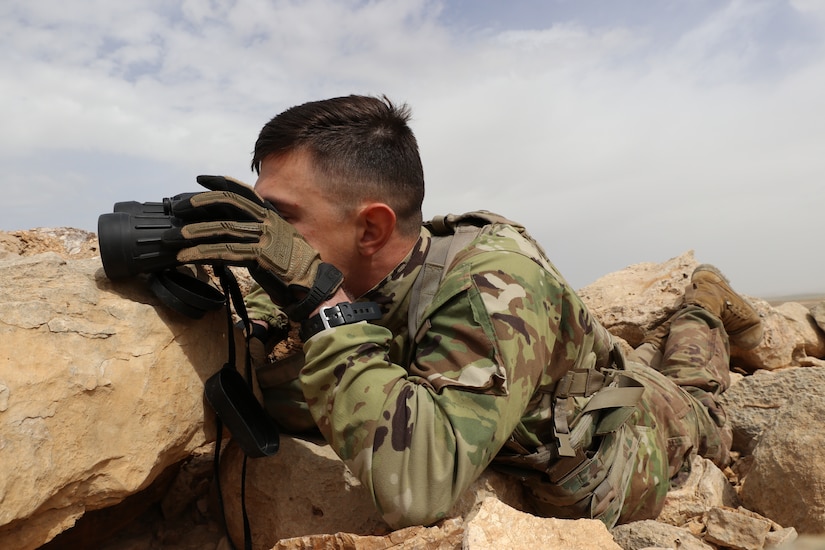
<point x="418" y="419"/>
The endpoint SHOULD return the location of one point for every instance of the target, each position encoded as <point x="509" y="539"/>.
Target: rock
<point x="706" y="487"/>
<point x="305" y="489"/>
<point x="754" y="401"/>
<point x="497" y="526"/>
<point x="791" y="338"/>
<point x="818" y="314"/>
<point x="782" y="537"/>
<point x="785" y="479"/>
<point x="652" y="534"/>
<point x="191" y="483"/>
<point x="447" y="535"/>
<point x="65" y="241"/>
<point x="100" y="391"/>
<point x="736" y="531"/>
<point x="637" y="298"/>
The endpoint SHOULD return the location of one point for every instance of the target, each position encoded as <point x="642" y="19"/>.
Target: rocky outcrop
<point x="100" y="391"/>
<point x="281" y="504"/>
<point x="754" y="401"/>
<point x="786" y="462"/>
<point x="101" y="405"/>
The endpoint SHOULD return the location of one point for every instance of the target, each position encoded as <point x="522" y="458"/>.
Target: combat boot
<point x="711" y="290"/>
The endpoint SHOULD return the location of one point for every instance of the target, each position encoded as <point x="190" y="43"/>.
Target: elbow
<point x="415" y="506"/>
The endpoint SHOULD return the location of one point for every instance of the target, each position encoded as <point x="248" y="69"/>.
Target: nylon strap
<point x="233" y="293"/>
<point x="443" y="249"/>
<point x="580" y="383"/>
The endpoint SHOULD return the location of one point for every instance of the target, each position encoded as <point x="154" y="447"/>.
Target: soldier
<point x="434" y="351"/>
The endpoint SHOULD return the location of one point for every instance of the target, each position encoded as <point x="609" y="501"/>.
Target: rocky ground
<point x="180" y="511"/>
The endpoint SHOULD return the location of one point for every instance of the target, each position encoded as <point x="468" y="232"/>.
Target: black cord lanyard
<point x="233" y="292"/>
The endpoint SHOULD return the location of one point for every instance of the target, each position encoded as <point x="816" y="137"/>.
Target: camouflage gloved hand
<point x="232" y="224"/>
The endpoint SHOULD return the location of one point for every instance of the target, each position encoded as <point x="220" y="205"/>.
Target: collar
<point x="393" y="292"/>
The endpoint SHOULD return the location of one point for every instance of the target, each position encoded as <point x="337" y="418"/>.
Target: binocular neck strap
<point x="232" y="290"/>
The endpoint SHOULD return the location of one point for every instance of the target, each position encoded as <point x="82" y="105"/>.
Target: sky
<point x="616" y="131"/>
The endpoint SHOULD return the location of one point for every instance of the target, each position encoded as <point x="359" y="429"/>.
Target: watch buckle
<point x="323" y="316"/>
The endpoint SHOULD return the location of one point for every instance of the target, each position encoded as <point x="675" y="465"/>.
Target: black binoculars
<point x="131" y="237"/>
<point x="131" y="243"/>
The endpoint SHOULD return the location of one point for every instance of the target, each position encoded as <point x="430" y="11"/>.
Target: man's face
<point x="290" y="183"/>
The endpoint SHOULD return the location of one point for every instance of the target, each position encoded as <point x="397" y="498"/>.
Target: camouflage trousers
<point x="627" y="475"/>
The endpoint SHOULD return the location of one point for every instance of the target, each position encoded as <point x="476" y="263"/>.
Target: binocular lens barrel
<point x="132" y="243"/>
<point x="130" y="237"/>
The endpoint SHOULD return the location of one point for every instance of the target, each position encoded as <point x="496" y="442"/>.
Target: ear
<point x="376" y="224"/>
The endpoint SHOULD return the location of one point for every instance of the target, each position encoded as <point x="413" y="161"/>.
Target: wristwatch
<point x="343" y="313"/>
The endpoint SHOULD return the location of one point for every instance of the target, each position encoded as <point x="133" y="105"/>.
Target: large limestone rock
<point x="791" y="338"/>
<point x="705" y="487"/>
<point x="785" y="480"/>
<point x="497" y="525"/>
<point x="100" y="390"/>
<point x="649" y="534"/>
<point x="305" y="489"/>
<point x="753" y="403"/>
<point x="632" y="301"/>
<point x="818" y="313"/>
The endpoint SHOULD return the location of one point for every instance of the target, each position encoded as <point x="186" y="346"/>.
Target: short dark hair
<point x="361" y="146"/>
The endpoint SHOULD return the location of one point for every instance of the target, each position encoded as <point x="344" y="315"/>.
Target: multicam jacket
<point x="418" y="419"/>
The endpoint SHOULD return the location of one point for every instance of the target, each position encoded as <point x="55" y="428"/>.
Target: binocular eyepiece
<point x="131" y="243"/>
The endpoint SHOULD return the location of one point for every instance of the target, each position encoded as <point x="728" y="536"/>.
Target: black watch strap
<point x="327" y="280"/>
<point x="339" y="314"/>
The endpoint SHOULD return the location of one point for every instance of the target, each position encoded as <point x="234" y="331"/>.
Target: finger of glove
<point x="227" y="183"/>
<point x="218" y="205"/>
<point x="221" y="231"/>
<point x="212" y="232"/>
<point x="231" y="253"/>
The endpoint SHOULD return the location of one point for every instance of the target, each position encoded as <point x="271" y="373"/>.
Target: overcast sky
<point x="618" y="131"/>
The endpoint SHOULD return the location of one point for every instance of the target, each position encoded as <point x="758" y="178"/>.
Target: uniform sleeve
<point x="418" y="438"/>
<point x="260" y="307"/>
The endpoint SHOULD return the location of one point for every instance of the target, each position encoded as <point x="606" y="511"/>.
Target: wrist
<point x="328" y="280"/>
<point x="341" y="313"/>
<point x="339" y="296"/>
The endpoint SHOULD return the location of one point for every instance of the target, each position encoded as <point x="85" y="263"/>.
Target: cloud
<point x="616" y="140"/>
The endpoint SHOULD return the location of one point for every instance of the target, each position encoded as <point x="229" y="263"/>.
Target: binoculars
<point x="131" y="243"/>
<point x="131" y="237"/>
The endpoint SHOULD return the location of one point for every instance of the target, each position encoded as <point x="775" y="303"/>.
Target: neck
<point x="374" y="269"/>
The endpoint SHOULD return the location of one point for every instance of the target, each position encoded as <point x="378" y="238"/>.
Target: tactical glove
<point x="232" y="224"/>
